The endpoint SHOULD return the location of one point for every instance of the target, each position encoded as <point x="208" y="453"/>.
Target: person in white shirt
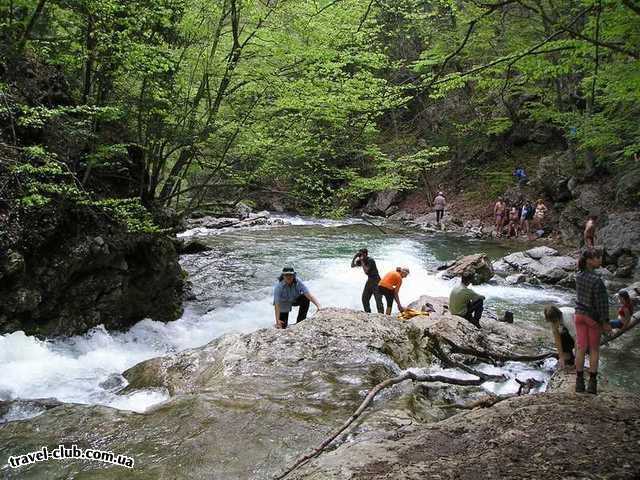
<point x="563" y="327"/>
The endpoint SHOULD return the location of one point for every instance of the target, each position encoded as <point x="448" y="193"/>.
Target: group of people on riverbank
<point x="291" y="292"/>
<point x="527" y="219"/>
<point x="577" y="334"/>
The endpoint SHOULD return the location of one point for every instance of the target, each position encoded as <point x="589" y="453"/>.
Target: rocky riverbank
<point x="245" y="406"/>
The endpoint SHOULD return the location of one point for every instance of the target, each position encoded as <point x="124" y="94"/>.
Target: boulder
<point x="539" y="252"/>
<point x="242" y="210"/>
<point x="592" y="199"/>
<point x="193" y="246"/>
<point x="479" y="265"/>
<point x="516" y="279"/>
<point x="551" y="177"/>
<point x="628" y="188"/>
<point x="626" y="265"/>
<point x="621" y="234"/>
<point x="571" y="224"/>
<point x="380" y="202"/>
<point x="548" y="269"/>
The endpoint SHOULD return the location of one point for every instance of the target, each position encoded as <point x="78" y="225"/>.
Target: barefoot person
<point x="592" y="317"/>
<point x="466" y="303"/>
<point x="390" y="287"/>
<point x="368" y="264"/>
<point x="291" y="292"/>
<point x="538" y="216"/>
<point x="514" y="222"/>
<point x="439" y="204"/>
<point x="563" y="327"/>
<point x="499" y="211"/>
<point x="590" y="232"/>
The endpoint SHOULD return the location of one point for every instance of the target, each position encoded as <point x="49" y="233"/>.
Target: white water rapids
<point x="87" y="368"/>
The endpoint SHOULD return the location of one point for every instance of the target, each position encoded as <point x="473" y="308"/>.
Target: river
<point x="233" y="284"/>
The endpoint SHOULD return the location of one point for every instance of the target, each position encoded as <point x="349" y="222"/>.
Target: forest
<point x="200" y="104"/>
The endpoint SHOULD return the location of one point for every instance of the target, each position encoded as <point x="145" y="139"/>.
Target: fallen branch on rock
<point x="448" y="362"/>
<point x="483" y="402"/>
<point x="497" y="357"/>
<point x="367" y="401"/>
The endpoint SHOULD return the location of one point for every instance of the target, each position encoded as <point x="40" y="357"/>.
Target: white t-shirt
<point x="569" y="320"/>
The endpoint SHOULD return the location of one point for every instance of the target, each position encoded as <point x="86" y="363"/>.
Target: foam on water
<point x="87" y="368"/>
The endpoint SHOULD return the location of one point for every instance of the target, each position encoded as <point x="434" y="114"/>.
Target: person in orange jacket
<point x="390" y="285"/>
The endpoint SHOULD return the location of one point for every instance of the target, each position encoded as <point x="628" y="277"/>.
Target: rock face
<point x="479" y="265"/>
<point x="543" y="264"/>
<point x="382" y="203"/>
<point x="83" y="281"/>
<point x="525" y="437"/>
<point x="244" y="406"/>
<point x="621" y="234"/>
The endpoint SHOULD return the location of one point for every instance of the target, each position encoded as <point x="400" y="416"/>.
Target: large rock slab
<point x="245" y="405"/>
<point x="528" y="437"/>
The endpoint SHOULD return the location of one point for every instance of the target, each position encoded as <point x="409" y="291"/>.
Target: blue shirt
<point x="284" y="295"/>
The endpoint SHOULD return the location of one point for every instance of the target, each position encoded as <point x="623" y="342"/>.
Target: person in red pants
<point x="592" y="317"/>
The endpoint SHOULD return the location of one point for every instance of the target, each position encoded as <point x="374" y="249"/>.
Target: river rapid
<point x="233" y="285"/>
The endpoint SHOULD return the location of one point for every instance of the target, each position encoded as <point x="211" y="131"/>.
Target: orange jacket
<point x="392" y="281"/>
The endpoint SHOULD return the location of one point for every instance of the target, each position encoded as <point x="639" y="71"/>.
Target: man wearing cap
<point x="290" y="292"/>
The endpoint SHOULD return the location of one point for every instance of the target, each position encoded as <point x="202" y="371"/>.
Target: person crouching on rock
<point x="592" y="317"/>
<point x="291" y="292"/>
<point x="466" y="303"/>
<point x="368" y="264"/>
<point x="563" y="326"/>
<point x="390" y="285"/>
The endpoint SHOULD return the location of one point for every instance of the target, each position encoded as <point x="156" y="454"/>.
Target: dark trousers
<point x="371" y="288"/>
<point x="388" y="295"/>
<point x="474" y="311"/>
<point x="439" y="215"/>
<point x="568" y="344"/>
<point x="302" y="302"/>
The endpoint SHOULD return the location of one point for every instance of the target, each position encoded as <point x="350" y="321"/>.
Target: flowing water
<point x="233" y="285"/>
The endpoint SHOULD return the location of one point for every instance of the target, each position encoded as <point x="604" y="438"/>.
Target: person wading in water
<point x="499" y="210"/>
<point x="592" y="317"/>
<point x="390" y="287"/>
<point x="368" y="264"/>
<point x="291" y="292"/>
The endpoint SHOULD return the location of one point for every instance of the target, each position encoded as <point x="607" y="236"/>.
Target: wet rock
<point x="548" y="269"/>
<point x="539" y="252"/>
<point x="479" y="265"/>
<point x="11" y="410"/>
<point x="571" y="224"/>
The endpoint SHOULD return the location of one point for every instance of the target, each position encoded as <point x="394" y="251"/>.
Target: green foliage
<point x="128" y="212"/>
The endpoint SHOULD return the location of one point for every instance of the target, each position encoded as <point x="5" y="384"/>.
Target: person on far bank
<point x="563" y="327"/>
<point x="390" y="285"/>
<point x="368" y="264"/>
<point x="592" y="317"/>
<point x="499" y="211"/>
<point x="291" y="292"/>
<point x="466" y="303"/>
<point x="514" y="222"/>
<point x="526" y="214"/>
<point x="439" y="204"/>
<point x="539" y="214"/>
<point x="590" y="232"/>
